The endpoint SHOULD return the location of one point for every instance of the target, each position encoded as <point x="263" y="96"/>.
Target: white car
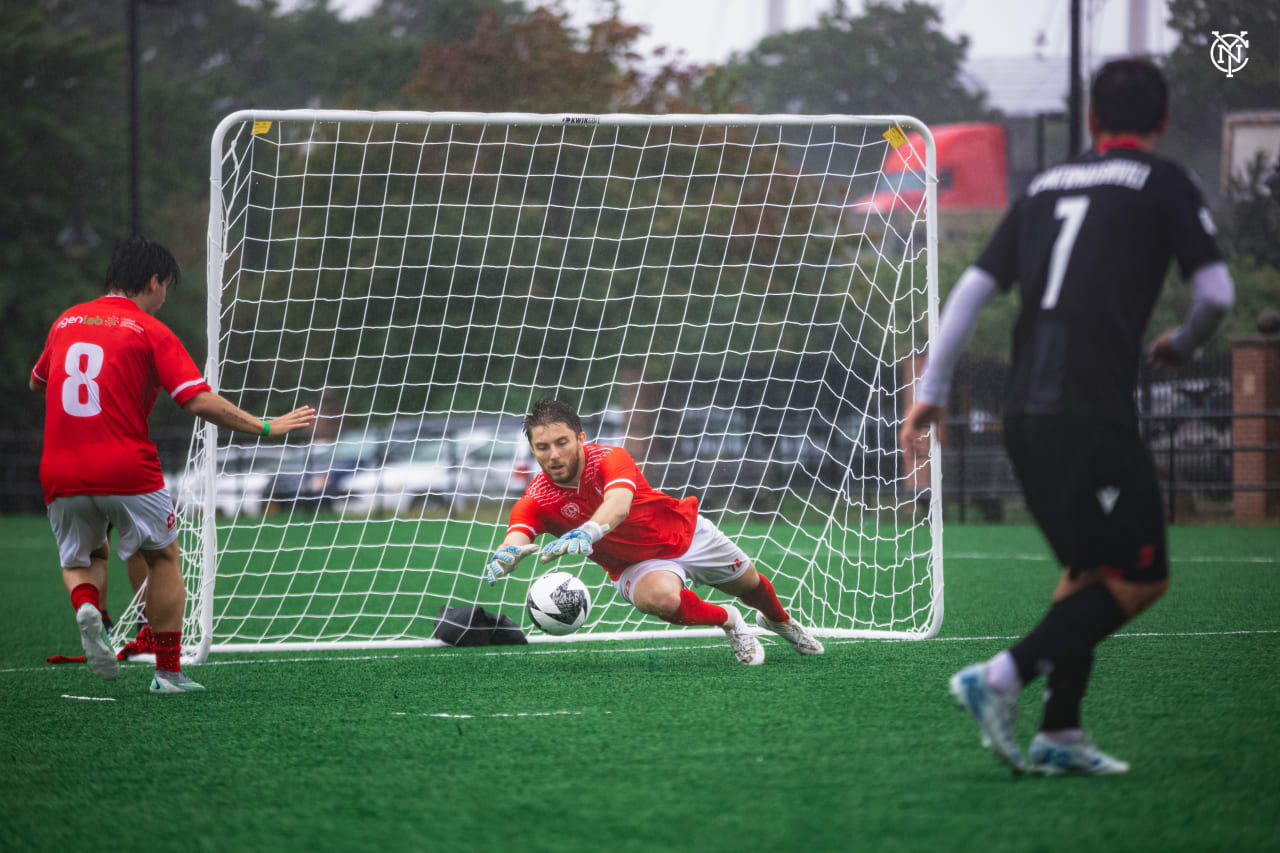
<point x="495" y="462"/>
<point x="242" y="478"/>
<point x="414" y="474"/>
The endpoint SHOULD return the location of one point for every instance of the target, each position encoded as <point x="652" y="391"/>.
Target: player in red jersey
<point x="101" y="370"/>
<point x="595" y="500"/>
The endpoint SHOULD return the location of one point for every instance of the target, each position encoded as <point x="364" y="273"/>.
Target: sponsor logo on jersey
<point x="571" y="511"/>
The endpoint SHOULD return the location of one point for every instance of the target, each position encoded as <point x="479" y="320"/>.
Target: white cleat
<point x="97" y="645"/>
<point x="793" y="632"/>
<point x="995" y="711"/>
<point x="1083" y="758"/>
<point x="174" y="682"/>
<point x="746" y="648"/>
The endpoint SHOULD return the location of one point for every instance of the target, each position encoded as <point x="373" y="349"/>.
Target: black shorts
<point x="1091" y="486"/>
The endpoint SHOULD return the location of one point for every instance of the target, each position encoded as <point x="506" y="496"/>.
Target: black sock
<point x="1067" y="684"/>
<point x="1077" y="623"/>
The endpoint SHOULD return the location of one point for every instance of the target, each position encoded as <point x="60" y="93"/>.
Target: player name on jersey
<point x="1074" y="176"/>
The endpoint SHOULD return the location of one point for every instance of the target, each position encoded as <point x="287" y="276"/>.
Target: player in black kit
<point x="1089" y="245"/>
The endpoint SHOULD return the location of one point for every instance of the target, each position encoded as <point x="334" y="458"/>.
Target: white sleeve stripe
<point x="525" y="526"/>
<point x="176" y="391"/>
<point x="39" y="377"/>
<point x="619" y="480"/>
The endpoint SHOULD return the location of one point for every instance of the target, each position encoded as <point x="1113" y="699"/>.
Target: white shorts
<point x="143" y="522"/>
<point x="712" y="559"/>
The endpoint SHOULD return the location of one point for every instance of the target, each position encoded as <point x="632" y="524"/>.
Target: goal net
<point x="738" y="300"/>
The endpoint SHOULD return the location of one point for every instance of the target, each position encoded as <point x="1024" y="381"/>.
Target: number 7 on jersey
<point x="1071" y="209"/>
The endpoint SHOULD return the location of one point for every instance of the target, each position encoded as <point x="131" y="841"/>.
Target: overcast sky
<point x="710" y="30"/>
<point x="1017" y="48"/>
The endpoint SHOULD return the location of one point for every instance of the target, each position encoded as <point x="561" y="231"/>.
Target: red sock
<point x="85" y="592"/>
<point x="168" y="648"/>
<point x="764" y="599"/>
<point x="695" y="611"/>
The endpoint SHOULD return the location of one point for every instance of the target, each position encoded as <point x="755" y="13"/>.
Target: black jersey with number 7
<point x="1089" y="244"/>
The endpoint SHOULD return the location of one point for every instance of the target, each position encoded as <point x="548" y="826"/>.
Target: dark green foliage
<point x="889" y="59"/>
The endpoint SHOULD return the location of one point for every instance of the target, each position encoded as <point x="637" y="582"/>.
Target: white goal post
<point x="739" y="300"/>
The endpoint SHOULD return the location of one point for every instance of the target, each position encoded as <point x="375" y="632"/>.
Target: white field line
<point x="88" y="698"/>
<point x="577" y="649"/>
<point x="493" y="716"/>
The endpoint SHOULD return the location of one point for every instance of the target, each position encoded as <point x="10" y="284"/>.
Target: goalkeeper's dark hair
<point x="134" y="261"/>
<point x="1130" y="96"/>
<point x="551" y="411"/>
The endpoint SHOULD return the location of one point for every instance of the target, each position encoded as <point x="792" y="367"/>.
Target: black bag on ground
<point x="474" y="626"/>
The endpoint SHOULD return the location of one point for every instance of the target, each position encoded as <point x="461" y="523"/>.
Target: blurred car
<point x="317" y="475"/>
<point x="494" y="459"/>
<point x="243" y="476"/>
<point x="414" y="473"/>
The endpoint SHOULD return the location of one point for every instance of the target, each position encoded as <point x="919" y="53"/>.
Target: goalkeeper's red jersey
<point x="658" y="526"/>
<point x="103" y="366"/>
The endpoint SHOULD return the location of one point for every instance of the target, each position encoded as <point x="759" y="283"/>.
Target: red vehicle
<point x="973" y="171"/>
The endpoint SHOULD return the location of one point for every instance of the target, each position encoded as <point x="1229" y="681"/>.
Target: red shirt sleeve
<point x="525" y="518"/>
<point x="174" y="366"/>
<point x="619" y="471"/>
<point x="40" y="373"/>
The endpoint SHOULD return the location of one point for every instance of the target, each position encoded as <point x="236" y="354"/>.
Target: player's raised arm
<point x="220" y="411"/>
<point x="967" y="298"/>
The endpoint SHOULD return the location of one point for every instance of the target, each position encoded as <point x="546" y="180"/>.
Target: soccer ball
<point x="558" y="603"/>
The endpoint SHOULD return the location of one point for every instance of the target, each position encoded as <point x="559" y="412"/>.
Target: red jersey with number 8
<point x="102" y="367"/>
<point x="657" y="527"/>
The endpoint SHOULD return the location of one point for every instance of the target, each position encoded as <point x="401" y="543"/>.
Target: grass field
<point x="655" y="746"/>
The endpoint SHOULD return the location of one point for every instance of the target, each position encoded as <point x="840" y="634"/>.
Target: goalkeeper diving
<point x="594" y="499"/>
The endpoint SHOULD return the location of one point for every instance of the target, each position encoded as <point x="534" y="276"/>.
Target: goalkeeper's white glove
<point x="577" y="541"/>
<point x="505" y="559"/>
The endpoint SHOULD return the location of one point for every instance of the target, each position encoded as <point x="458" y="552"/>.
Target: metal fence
<point x="1185" y="418"/>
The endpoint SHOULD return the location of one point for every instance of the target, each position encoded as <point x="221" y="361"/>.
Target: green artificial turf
<point x="654" y="745"/>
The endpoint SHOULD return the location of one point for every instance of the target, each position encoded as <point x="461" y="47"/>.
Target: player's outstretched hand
<point x="299" y="418"/>
<point x="915" y="426"/>
<point x="1162" y="352"/>
<point x="505" y="559"/>
<point x="577" y="541"/>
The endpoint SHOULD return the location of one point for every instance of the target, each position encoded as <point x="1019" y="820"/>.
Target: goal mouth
<point x="730" y="298"/>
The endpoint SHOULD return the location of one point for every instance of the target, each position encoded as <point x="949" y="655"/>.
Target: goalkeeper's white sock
<point x="1002" y="673"/>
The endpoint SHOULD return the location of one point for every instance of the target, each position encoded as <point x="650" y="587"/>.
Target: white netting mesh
<point x="737" y="304"/>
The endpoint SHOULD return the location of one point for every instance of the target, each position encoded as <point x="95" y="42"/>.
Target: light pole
<point x="131" y="26"/>
<point x="131" y="22"/>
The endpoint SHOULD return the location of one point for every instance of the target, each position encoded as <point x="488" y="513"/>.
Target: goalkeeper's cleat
<point x="173" y="682"/>
<point x="1083" y="758"/>
<point x="97" y="645"/>
<point x="746" y="648"/>
<point x="793" y="632"/>
<point x="995" y="711"/>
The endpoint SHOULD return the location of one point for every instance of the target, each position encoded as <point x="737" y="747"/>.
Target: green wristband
<point x="266" y="427"/>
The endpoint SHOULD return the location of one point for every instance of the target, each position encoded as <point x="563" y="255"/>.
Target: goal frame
<point x="205" y="434"/>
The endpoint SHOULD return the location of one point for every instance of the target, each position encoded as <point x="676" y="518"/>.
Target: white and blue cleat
<point x="995" y="712"/>
<point x="174" y="682"/>
<point x="1083" y="758"/>
<point x="98" y="654"/>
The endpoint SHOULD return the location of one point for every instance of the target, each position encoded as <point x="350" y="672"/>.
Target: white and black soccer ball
<point x="558" y="603"/>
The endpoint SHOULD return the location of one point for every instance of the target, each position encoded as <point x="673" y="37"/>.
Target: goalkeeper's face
<point x="559" y="452"/>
